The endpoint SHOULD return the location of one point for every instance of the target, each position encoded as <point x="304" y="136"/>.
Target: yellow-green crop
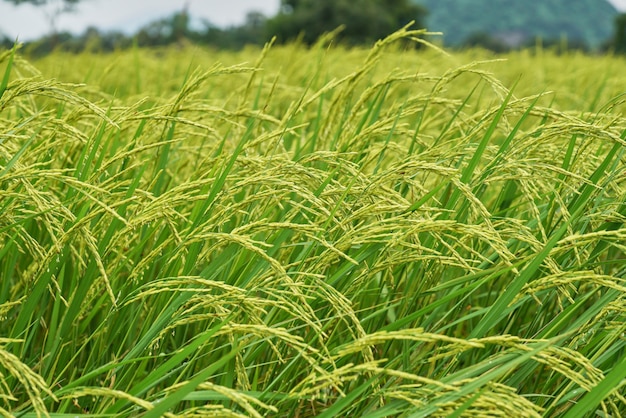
<point x="312" y="232"/>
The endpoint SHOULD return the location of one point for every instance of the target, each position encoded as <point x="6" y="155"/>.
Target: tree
<point x="364" y="20"/>
<point x="619" y="39"/>
<point x="166" y="31"/>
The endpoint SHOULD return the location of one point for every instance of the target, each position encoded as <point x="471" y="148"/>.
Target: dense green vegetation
<point x="312" y="232"/>
<point x="586" y="25"/>
<point x="586" y="22"/>
<point x="361" y="20"/>
<point x="619" y="37"/>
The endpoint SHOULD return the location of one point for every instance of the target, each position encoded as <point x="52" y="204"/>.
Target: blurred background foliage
<point x="362" y="22"/>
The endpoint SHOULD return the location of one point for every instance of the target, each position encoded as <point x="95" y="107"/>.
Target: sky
<point x="27" y="22"/>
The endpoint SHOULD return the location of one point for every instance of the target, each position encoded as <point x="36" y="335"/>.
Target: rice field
<point x="296" y="232"/>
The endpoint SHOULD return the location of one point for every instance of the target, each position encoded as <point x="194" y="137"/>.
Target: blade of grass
<point x="180" y="394"/>
<point x="340" y="407"/>
<point x="7" y="71"/>
<point x="611" y="383"/>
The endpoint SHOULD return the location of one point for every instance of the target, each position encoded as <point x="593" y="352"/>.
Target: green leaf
<point x="590" y="401"/>
<point x="165" y="404"/>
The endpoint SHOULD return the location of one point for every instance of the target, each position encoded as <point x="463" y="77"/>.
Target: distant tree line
<point x="498" y="44"/>
<point x="363" y="21"/>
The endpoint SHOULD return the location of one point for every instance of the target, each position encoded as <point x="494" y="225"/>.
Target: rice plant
<point x="312" y="232"/>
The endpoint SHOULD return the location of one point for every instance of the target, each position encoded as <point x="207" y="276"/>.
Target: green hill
<point x="515" y="22"/>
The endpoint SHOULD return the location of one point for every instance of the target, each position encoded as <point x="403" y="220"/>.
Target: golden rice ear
<point x="30" y="384"/>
